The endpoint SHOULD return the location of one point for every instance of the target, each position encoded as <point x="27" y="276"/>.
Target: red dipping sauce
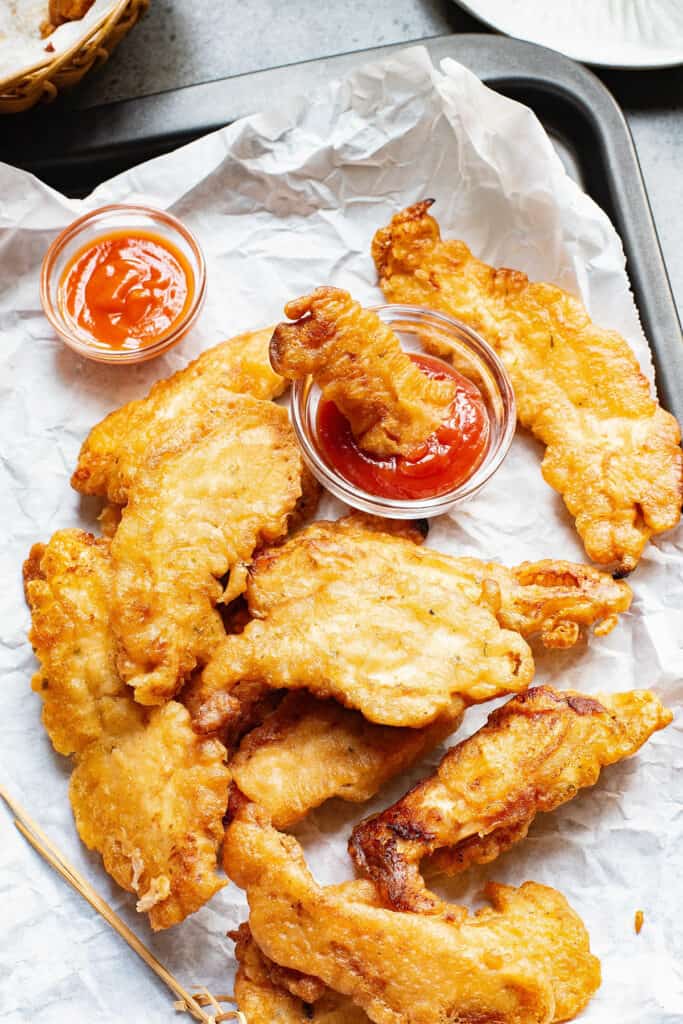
<point x="445" y="460"/>
<point x="127" y="289"/>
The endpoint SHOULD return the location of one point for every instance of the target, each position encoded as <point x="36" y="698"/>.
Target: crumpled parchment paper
<point x="21" y="44"/>
<point x="282" y="202"/>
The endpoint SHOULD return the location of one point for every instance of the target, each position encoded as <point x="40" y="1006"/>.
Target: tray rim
<point x="504" y="64"/>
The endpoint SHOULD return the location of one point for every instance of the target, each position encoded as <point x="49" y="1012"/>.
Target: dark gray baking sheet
<point x="74" y="149"/>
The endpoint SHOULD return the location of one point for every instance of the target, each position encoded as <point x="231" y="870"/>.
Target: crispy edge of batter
<point x="400" y="249"/>
<point x="265" y="992"/>
<point x="359" y="363"/>
<point x="59" y="681"/>
<point x="388" y="847"/>
<point x="556" y="979"/>
<point x="99" y="454"/>
<point x="390" y="750"/>
<point x="186" y="886"/>
<point x="158" y="672"/>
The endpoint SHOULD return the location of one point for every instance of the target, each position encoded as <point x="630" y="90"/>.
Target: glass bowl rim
<point x="415" y="508"/>
<point x="71" y="232"/>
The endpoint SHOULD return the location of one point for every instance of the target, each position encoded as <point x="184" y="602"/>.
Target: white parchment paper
<point x="283" y="202"/>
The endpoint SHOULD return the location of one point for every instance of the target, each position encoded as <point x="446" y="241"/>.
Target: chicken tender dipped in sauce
<point x="396" y="424"/>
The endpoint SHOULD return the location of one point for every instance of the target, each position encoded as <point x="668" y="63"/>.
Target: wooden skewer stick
<point x="44" y="846"/>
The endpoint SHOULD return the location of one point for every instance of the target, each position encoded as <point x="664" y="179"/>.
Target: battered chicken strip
<point x="308" y="751"/>
<point x="534" y="754"/>
<point x="140" y="433"/>
<point x="525" y="960"/>
<point x="61" y="11"/>
<point x="359" y="364"/>
<point x="196" y="517"/>
<point x="611" y="451"/>
<point x="264" y="999"/>
<point x="68" y="589"/>
<point x="393" y="630"/>
<point x="552" y="598"/>
<point x="147" y="792"/>
<point x="152" y="801"/>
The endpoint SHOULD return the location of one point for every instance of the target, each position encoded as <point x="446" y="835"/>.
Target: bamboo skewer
<point x="49" y="852"/>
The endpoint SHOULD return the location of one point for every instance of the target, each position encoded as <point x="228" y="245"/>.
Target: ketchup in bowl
<point x="446" y="459"/>
<point x="126" y="289"/>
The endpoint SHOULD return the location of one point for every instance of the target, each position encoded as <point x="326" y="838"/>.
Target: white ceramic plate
<point x="607" y="33"/>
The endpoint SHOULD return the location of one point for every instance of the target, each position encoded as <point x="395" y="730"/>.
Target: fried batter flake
<point x="611" y="451"/>
<point x="553" y="598"/>
<point x="264" y="999"/>
<point x="176" y="409"/>
<point x="359" y="364"/>
<point x="393" y="630"/>
<point x="534" y="754"/>
<point x="308" y="751"/>
<point x="68" y="589"/>
<point x="524" y="960"/>
<point x="151" y="801"/>
<point x="198" y="515"/>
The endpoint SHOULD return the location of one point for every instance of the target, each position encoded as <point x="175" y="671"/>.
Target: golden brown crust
<point x="357" y="612"/>
<point x="551" y="744"/>
<point x="386" y="627"/>
<point x="359" y="365"/>
<point x="307" y="505"/>
<point x="68" y="589"/>
<point x="308" y="751"/>
<point x="553" y="598"/>
<point x="146" y="792"/>
<point x="176" y="410"/>
<point x="524" y="960"/>
<point x="612" y="451"/>
<point x="264" y="991"/>
<point x="152" y="801"/>
<point x="196" y="516"/>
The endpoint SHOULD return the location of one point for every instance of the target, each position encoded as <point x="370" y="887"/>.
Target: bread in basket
<point x="62" y="68"/>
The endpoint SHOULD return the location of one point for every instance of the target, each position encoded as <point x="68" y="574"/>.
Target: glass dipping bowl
<point x="435" y="334"/>
<point x="88" y="228"/>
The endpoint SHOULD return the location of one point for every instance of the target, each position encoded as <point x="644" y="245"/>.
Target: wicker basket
<point x="44" y="80"/>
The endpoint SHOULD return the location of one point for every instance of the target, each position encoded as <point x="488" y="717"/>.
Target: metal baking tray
<point x="74" y="148"/>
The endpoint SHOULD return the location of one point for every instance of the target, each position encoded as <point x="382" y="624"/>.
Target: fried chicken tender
<point x="552" y="598"/>
<point x="611" y="451"/>
<point x="393" y="630"/>
<point x="61" y="11"/>
<point x="534" y="754"/>
<point x="152" y="801"/>
<point x="147" y="792"/>
<point x="308" y="751"/>
<point x="196" y="517"/>
<point x="174" y="412"/>
<point x="359" y="364"/>
<point x="264" y="999"/>
<point x="524" y="960"/>
<point x="68" y="589"/>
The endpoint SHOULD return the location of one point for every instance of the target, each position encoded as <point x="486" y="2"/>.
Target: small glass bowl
<point x="119" y="217"/>
<point x="420" y="330"/>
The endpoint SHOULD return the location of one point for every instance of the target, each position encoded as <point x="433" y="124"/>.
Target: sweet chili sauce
<point x="446" y="459"/>
<point x="127" y="289"/>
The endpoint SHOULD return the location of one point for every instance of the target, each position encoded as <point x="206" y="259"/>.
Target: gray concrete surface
<point x="180" y="43"/>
